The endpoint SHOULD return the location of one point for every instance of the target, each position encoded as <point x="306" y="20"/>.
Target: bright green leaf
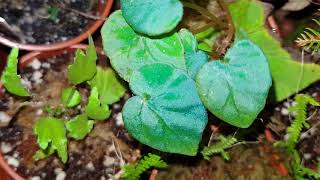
<point x="152" y="17"/>
<point x="51" y="132"/>
<point x="84" y="66"/>
<point x="110" y="88"/>
<point x="70" y="97"/>
<point x="95" y="109"/>
<point x="286" y="73"/>
<point x="194" y="59"/>
<point x="10" y="78"/>
<point x="79" y="127"/>
<point x="167" y="113"/>
<point x="42" y="154"/>
<point x="128" y="51"/>
<point x="236" y="90"/>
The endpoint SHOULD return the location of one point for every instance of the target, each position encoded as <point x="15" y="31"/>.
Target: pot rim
<point x="23" y="62"/>
<point x="65" y="44"/>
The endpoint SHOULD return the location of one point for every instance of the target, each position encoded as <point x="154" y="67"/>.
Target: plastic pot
<point x="6" y="172"/>
<point x="103" y="8"/>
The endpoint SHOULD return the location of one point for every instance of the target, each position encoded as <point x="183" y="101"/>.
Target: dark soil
<point x="98" y="156"/>
<point x="34" y="24"/>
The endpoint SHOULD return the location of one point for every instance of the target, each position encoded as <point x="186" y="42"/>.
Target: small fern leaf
<point x="133" y="172"/>
<point x="219" y="147"/>
<point x="300" y="120"/>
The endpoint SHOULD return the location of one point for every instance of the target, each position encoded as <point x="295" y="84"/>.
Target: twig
<point x="220" y="24"/>
<point x="8" y="29"/>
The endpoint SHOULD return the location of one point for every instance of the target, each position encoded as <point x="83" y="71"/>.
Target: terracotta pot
<point x="103" y="8"/>
<point x="6" y="172"/>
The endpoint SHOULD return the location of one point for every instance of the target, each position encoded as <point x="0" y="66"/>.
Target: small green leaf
<point x="51" y="132"/>
<point x="167" y="113"/>
<point x="129" y="51"/>
<point x="194" y="59"/>
<point x="236" y="90"/>
<point x="79" y="127"/>
<point x="10" y="78"/>
<point x="42" y="154"/>
<point x="110" y="88"/>
<point x="70" y="97"/>
<point x="152" y="17"/>
<point x="84" y="66"/>
<point x="95" y="109"/>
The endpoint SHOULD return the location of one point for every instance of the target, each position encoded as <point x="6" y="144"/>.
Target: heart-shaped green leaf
<point x="128" y="51"/>
<point x="194" y="59"/>
<point x="287" y="75"/>
<point x="236" y="90"/>
<point x="167" y="113"/>
<point x="152" y="17"/>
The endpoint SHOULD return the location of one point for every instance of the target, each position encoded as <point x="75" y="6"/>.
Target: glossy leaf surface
<point x="166" y="112"/>
<point x="129" y="51"/>
<point x="152" y="17"/>
<point x="236" y="89"/>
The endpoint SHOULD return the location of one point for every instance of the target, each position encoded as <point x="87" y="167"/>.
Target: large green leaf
<point x="128" y="51"/>
<point x="167" y="113"/>
<point x="110" y="88"/>
<point x="194" y="58"/>
<point x="236" y="90"/>
<point x="79" y="127"/>
<point x="84" y="66"/>
<point x="95" y="109"/>
<point x="286" y="73"/>
<point x="51" y="131"/>
<point x="10" y="79"/>
<point x="152" y="17"/>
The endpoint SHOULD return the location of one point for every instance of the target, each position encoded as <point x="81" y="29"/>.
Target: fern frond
<point x="134" y="171"/>
<point x="299" y="171"/>
<point x="300" y="120"/>
<point x="219" y="147"/>
<point x="310" y="39"/>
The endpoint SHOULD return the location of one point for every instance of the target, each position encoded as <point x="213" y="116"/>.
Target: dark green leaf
<point x="152" y="17"/>
<point x="84" y="66"/>
<point x="70" y="97"/>
<point x="51" y="132"/>
<point x="95" y="109"/>
<point x="167" y="113"/>
<point x="79" y="127"/>
<point x="236" y="90"/>
<point x="128" y="51"/>
<point x="10" y="79"/>
<point x="110" y="89"/>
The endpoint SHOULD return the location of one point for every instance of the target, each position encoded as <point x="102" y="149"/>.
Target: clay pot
<point x="6" y="172"/>
<point x="103" y="8"/>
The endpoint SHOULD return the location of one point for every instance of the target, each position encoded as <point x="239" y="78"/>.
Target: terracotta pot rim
<point x="23" y="62"/>
<point x="65" y="44"/>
